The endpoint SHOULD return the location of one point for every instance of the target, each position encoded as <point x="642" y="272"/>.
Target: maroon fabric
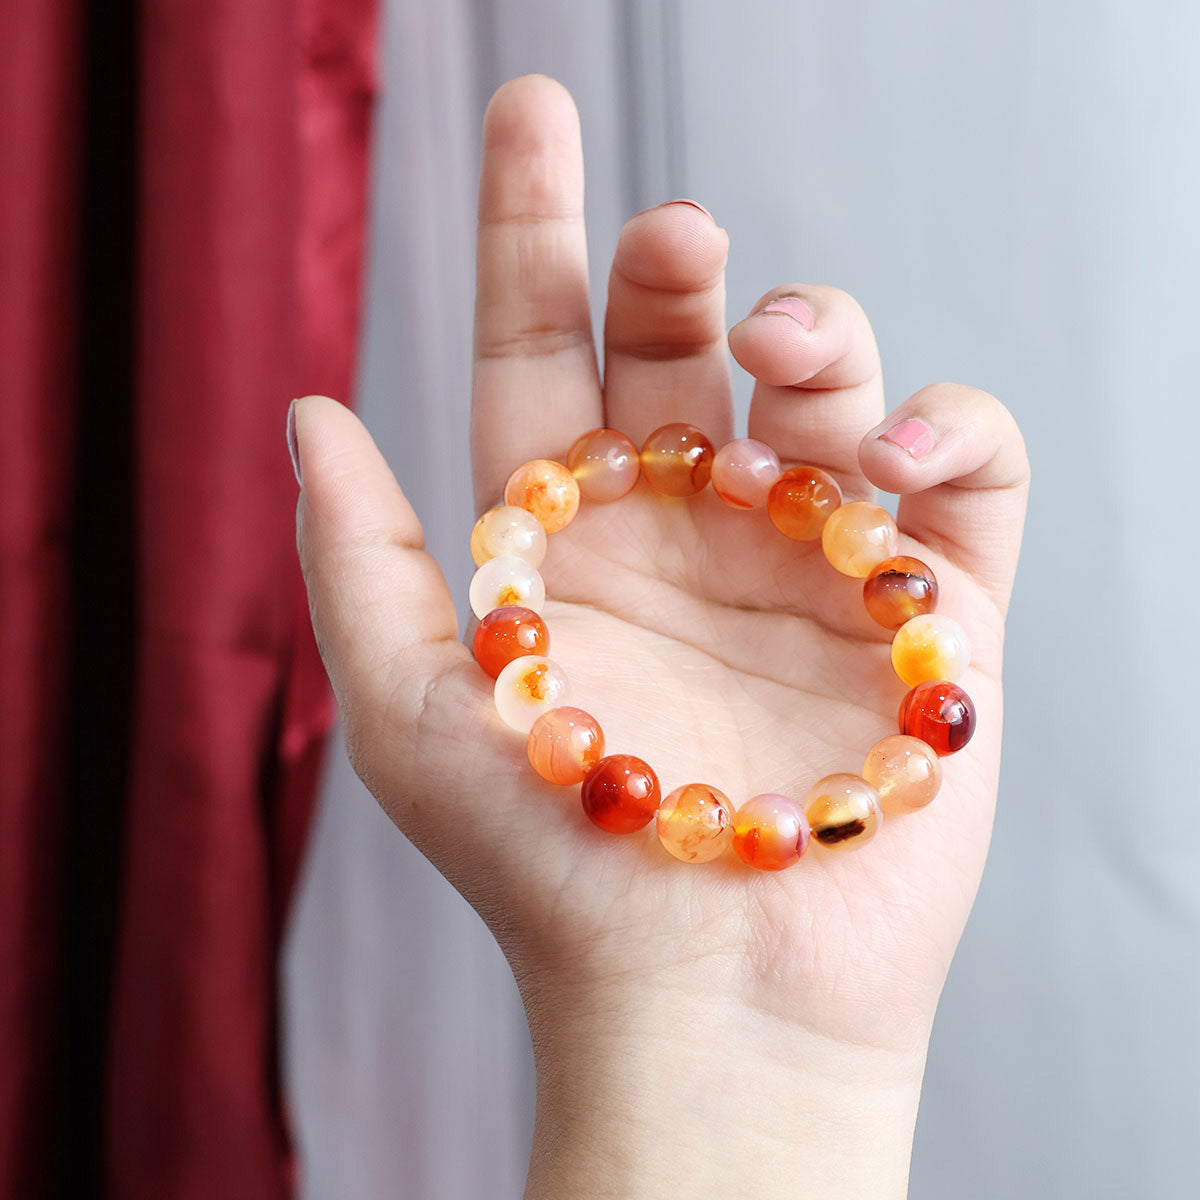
<point x="251" y="144"/>
<point x="39" y="100"/>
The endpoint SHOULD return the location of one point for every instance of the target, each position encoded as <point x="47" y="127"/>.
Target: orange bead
<point x="564" y="744"/>
<point x="899" y="589"/>
<point x="620" y="794"/>
<point x="677" y="460"/>
<point x="801" y="501"/>
<point x="695" y="823"/>
<point x="843" y="811"/>
<point x="770" y="832"/>
<point x="940" y="713"/>
<point x="858" y="537"/>
<point x="508" y="633"/>
<point x="904" y="771"/>
<point x="605" y="464"/>
<point x="546" y="489"/>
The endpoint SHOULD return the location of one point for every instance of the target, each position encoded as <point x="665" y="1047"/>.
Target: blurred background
<point x="1011" y="191"/>
<point x="222" y="971"/>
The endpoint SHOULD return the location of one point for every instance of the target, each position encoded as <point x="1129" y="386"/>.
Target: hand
<point x="704" y="642"/>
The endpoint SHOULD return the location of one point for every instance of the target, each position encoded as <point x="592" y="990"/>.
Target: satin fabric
<point x="249" y="139"/>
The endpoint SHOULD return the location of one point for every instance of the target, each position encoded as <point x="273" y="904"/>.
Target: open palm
<point x="701" y="639"/>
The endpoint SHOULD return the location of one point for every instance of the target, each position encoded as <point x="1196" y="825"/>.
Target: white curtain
<point x="1012" y="191"/>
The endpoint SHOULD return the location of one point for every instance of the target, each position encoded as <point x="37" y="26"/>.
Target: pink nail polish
<point x="693" y="203"/>
<point x="794" y="307"/>
<point x="911" y="435"/>
<point x="291" y="441"/>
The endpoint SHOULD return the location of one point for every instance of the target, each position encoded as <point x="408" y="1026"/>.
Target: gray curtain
<point x="1012" y="191"/>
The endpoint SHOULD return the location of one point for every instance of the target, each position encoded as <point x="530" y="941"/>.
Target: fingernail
<point x="291" y="441"/>
<point x="794" y="307"/>
<point x="693" y="203"/>
<point x="911" y="435"/>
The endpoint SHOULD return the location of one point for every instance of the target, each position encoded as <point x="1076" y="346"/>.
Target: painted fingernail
<point x="291" y="441"/>
<point x="794" y="307"/>
<point x="911" y="435"/>
<point x="693" y="203"/>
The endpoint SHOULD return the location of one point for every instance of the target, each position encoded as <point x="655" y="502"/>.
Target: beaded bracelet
<point x="621" y="793"/>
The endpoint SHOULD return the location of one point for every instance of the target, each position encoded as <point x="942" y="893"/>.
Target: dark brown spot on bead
<point x="834" y="834"/>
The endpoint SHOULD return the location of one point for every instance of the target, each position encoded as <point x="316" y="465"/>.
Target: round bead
<point x="508" y="530"/>
<point x="504" y="581"/>
<point x="528" y="687"/>
<point x="564" y="744"/>
<point x="620" y="794"/>
<point x="770" y="832"/>
<point x="904" y="771"/>
<point x="858" y="537"/>
<point x="743" y="472"/>
<point x="546" y="489"/>
<point x="801" y="501"/>
<point x="677" y="460"/>
<point x="940" y="713"/>
<point x="508" y="633"/>
<point x="695" y="823"/>
<point x="932" y="646"/>
<point x="899" y="589"/>
<point x="605" y="465"/>
<point x="843" y="811"/>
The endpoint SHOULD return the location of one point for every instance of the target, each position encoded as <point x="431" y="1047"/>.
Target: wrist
<point x="679" y="1096"/>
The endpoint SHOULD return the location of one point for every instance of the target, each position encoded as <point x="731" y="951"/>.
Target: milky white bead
<point x="506" y="580"/>
<point x="528" y="687"/>
<point x="508" y="530"/>
<point x="931" y="646"/>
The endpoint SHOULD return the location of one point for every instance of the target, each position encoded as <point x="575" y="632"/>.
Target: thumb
<point x="381" y="611"/>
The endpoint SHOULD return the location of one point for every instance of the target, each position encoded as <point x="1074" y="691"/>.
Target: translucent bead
<point x="858" y="537"/>
<point x="677" y="460"/>
<point x="904" y="771"/>
<point x="508" y="530"/>
<point x="843" y="811"/>
<point x="695" y="823"/>
<point x="528" y="687"/>
<point x="933" y="646"/>
<point x="940" y="713"/>
<point x="801" y="501"/>
<point x="899" y="589"/>
<point x="605" y="465"/>
<point x="770" y="832"/>
<point x="508" y="633"/>
<point x="743" y="472"/>
<point x="546" y="489"/>
<point x="564" y="744"/>
<point x="620" y="794"/>
<point x="503" y="581"/>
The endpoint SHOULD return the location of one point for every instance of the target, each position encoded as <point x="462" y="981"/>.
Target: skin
<point x="699" y="1030"/>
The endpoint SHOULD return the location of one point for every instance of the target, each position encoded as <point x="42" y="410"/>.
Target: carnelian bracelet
<point x="621" y="793"/>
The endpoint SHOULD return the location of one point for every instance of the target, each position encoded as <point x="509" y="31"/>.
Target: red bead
<point x="940" y="714"/>
<point x="508" y="633"/>
<point x="899" y="589"/>
<point x="621" y="794"/>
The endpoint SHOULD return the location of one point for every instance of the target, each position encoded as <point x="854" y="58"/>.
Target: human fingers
<point x="665" y="354"/>
<point x="811" y="350"/>
<point x="536" y="384"/>
<point x="956" y="457"/>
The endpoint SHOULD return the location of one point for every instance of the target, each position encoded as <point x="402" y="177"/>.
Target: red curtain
<point x="183" y="228"/>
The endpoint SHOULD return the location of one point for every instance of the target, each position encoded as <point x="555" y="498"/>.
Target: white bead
<point x="503" y="581"/>
<point x="528" y="687"/>
<point x="508" y="530"/>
